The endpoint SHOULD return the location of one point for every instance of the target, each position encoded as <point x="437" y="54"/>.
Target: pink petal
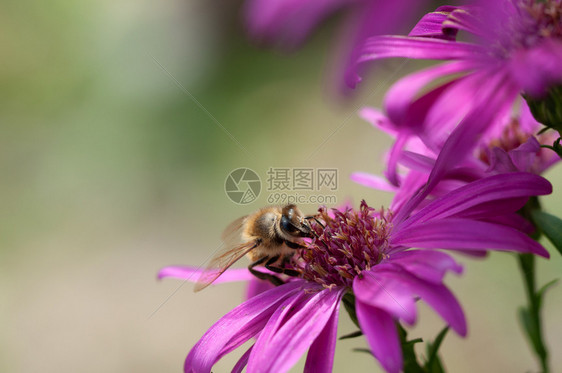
<point x="470" y="172"/>
<point x="458" y="233"/>
<point x="243" y="361"/>
<point x="525" y="156"/>
<point x="236" y="327"/>
<point x="412" y="183"/>
<point x="527" y="121"/>
<point x="378" y="119"/>
<point x="500" y="161"/>
<point x="283" y="312"/>
<point x="461" y="19"/>
<point x="192" y="273"/>
<point x="391" y="172"/>
<point x="407" y="285"/>
<point x="375" y="18"/>
<point x="257" y="286"/>
<point x="513" y="220"/>
<point x="494" y="98"/>
<point x="372" y="181"/>
<point x="473" y="253"/>
<point x="495" y="210"/>
<point x="286" y="21"/>
<point x="443" y="116"/>
<point x="539" y="68"/>
<point x="378" y="47"/>
<point x="416" y="161"/>
<point x="492" y="188"/>
<point x="431" y="24"/>
<point x="439" y="298"/>
<point x="405" y="91"/>
<point x="386" y="293"/>
<point x="320" y="356"/>
<point x="382" y="336"/>
<point x="284" y="339"/>
<point x="427" y="264"/>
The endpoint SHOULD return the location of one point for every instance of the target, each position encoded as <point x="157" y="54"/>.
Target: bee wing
<point x="233" y="229"/>
<point x="222" y="262"/>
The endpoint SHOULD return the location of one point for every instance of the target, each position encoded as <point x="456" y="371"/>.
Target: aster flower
<point x="289" y="22"/>
<point x="368" y="253"/>
<point x="508" y="145"/>
<point x="513" y="146"/>
<point x="516" y="48"/>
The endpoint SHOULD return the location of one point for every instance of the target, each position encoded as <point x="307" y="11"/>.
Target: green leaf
<point x="531" y="316"/>
<point x="349" y="304"/>
<point x="434" y="362"/>
<point x="551" y="226"/>
<point x="531" y="330"/>
<point x="411" y="364"/>
<point x="413" y="341"/>
<point x="525" y="318"/>
<point x="540" y="293"/>
<point x="548" y="108"/>
<point x="356" y="334"/>
<point x="366" y="350"/>
<point x="436" y="366"/>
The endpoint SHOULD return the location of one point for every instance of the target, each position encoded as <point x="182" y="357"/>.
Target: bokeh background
<point x="111" y="170"/>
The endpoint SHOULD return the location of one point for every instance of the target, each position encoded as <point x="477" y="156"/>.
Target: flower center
<point x="547" y="17"/>
<point x="514" y="135"/>
<point x="526" y="24"/>
<point x="350" y="242"/>
<point x="511" y="138"/>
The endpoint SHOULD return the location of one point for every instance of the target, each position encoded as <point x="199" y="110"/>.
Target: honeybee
<point x="269" y="237"/>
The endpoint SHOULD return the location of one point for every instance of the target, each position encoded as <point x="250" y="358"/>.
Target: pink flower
<point x="289" y="22"/>
<point x="368" y="253"/>
<point x="518" y="41"/>
<point x="517" y="48"/>
<point x="507" y="145"/>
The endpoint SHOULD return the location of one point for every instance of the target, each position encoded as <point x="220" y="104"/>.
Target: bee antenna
<point x="317" y="221"/>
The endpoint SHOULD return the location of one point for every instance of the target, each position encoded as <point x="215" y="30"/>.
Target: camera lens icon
<point x="242" y="186"/>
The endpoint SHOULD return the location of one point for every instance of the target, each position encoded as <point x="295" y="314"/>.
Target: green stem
<point x="530" y="316"/>
<point x="534" y="330"/>
<point x="555" y="147"/>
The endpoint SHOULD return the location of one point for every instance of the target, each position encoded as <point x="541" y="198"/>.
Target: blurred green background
<point x="111" y="170"/>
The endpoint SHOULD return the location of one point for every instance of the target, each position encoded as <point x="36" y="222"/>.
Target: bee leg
<point x="286" y="271"/>
<point x="294" y="245"/>
<point x="264" y="276"/>
<point x="269" y="264"/>
<point x="291" y="272"/>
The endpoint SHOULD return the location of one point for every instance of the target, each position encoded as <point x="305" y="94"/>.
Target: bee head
<point x="292" y="222"/>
